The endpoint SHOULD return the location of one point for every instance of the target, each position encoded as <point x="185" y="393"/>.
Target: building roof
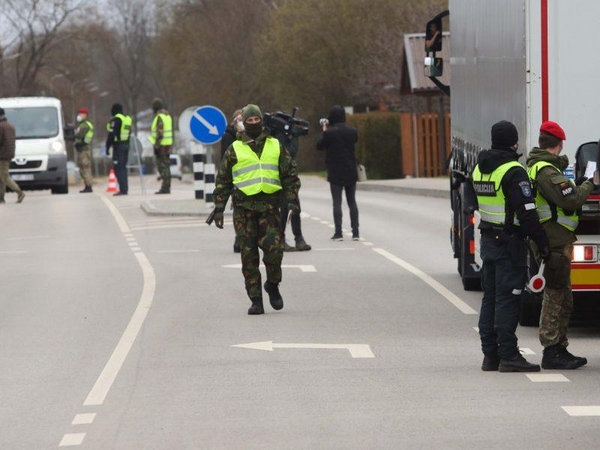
<point x="414" y="80"/>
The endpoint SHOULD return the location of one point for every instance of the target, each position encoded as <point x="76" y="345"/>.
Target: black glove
<point x="219" y="220"/>
<point x="580" y="180"/>
<point x="545" y="253"/>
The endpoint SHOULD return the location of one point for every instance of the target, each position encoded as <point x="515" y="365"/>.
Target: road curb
<point x="423" y="192"/>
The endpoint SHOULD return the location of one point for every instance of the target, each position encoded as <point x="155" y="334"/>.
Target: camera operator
<point x="338" y="140"/>
<point x="257" y="172"/>
<point x="290" y="143"/>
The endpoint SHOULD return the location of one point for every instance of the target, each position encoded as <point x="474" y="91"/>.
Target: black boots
<point x="490" y="362"/>
<point x="257" y="307"/>
<point x="301" y="245"/>
<point x="86" y="189"/>
<point x="517" y="364"/>
<point x="274" y="295"/>
<point x="558" y="357"/>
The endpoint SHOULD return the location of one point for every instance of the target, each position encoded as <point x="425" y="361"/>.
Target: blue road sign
<point x="208" y="124"/>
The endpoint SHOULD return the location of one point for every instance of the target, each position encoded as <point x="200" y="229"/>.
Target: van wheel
<point x="64" y="189"/>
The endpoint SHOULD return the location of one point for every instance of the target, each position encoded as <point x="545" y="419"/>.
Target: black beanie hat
<point x="504" y="134"/>
<point x="116" y="109"/>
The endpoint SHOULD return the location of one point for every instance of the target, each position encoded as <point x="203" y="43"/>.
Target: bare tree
<point x="35" y="27"/>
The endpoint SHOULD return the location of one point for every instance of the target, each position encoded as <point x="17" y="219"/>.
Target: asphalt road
<point x="122" y="331"/>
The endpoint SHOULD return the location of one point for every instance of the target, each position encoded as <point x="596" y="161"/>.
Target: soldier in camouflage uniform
<point x="161" y="137"/>
<point x="83" y="138"/>
<point x="258" y="174"/>
<point x="557" y="202"/>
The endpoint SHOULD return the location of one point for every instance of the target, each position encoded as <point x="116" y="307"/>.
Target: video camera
<point x="282" y="123"/>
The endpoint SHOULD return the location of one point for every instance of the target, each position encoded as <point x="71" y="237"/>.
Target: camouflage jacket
<point x="288" y="174"/>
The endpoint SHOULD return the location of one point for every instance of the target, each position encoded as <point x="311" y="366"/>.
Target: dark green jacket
<point x="552" y="186"/>
<point x="288" y="174"/>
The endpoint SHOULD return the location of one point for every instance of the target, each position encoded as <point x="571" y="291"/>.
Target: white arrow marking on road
<point x="211" y="128"/>
<point x="302" y="267"/>
<point x="356" y="350"/>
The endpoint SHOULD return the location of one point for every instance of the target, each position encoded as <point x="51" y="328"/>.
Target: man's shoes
<point x="302" y="246"/>
<point x="119" y="193"/>
<point x="491" y="362"/>
<point x="288" y="248"/>
<point x="337" y="237"/>
<point x="162" y="192"/>
<point x="355" y="237"/>
<point x="86" y="189"/>
<point x="20" y="197"/>
<point x="257" y="307"/>
<point x="274" y="295"/>
<point x="557" y="357"/>
<point x="517" y="364"/>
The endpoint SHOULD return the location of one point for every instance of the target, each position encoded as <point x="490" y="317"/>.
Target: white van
<point x="40" y="160"/>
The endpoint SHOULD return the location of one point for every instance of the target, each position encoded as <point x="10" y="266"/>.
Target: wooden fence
<point x="423" y="154"/>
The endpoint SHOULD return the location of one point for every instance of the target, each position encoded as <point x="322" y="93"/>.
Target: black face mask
<point x="253" y="129"/>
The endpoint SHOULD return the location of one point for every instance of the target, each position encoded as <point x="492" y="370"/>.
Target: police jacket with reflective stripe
<point x="517" y="191"/>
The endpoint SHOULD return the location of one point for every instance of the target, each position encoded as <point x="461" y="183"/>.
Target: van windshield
<point x="35" y="122"/>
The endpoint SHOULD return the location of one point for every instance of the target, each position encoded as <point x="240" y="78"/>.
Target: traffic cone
<point x="112" y="182"/>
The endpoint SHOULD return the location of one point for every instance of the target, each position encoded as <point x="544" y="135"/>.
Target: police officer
<point x="119" y="130"/>
<point x="558" y="200"/>
<point x="257" y="172"/>
<point x="161" y="137"/>
<point x="508" y="216"/>
<point x="83" y="138"/>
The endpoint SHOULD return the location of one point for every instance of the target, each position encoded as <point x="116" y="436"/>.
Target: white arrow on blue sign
<point x="207" y="124"/>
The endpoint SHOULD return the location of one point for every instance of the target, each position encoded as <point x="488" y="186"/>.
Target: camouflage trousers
<point x="557" y="303"/>
<point x="84" y="162"/>
<point x="6" y="180"/>
<point x="256" y="230"/>
<point x="163" y="165"/>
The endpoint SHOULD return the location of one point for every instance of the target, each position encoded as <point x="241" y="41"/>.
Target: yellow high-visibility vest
<point x="126" y="123"/>
<point x="167" y="135"/>
<point x="490" y="196"/>
<point x="252" y="174"/>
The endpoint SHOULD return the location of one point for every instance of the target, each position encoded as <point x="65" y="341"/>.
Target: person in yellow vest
<point x="161" y="137"/>
<point x="259" y="175"/>
<point x="558" y="200"/>
<point x="83" y="138"/>
<point x="119" y="130"/>
<point x="506" y="205"/>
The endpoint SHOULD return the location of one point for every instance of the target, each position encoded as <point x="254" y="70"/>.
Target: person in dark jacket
<point x="338" y="141"/>
<point x="119" y="131"/>
<point x="508" y="216"/>
<point x="7" y="152"/>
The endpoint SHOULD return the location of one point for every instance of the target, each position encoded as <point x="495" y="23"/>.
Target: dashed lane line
<point x="582" y="411"/>
<point x="547" y="378"/>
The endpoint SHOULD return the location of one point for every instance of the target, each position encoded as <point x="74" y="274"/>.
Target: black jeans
<point x="503" y="281"/>
<point x="120" y="156"/>
<point x="336" y="195"/>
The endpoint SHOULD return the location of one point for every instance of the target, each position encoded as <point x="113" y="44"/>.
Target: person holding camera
<point x="338" y="141"/>
<point x="257" y="172"/>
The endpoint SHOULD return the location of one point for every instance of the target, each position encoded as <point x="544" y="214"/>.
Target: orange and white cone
<point x="112" y="182"/>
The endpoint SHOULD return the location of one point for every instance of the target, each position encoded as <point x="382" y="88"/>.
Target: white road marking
<point x="83" y="419"/>
<point x="178" y="225"/>
<point x="443" y="291"/>
<point x="582" y="411"/>
<point x="476" y="329"/>
<point x="71" y="439"/>
<point x="324" y="222"/>
<point x="13" y="252"/>
<point x="547" y="378"/>
<point x="302" y="267"/>
<point x="133" y="244"/>
<point x="116" y="214"/>
<point x="356" y="350"/>
<point x="27" y="238"/>
<point x="130" y="239"/>
<point x="135" y="249"/>
<point x="368" y="244"/>
<point x="316" y="218"/>
<point x="331" y="226"/>
<point x="342" y="249"/>
<point x="526" y="351"/>
<point x="178" y="251"/>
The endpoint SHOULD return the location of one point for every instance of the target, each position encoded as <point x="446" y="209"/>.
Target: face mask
<point x="239" y="126"/>
<point x="253" y="129"/>
<point x="79" y="117"/>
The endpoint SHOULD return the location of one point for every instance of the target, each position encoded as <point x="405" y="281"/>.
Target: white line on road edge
<point x="356" y="350"/>
<point x="582" y="411"/>
<point x="113" y="366"/>
<point x="83" y="419"/>
<point x="444" y="292"/>
<point x="116" y="214"/>
<point x="302" y="267"/>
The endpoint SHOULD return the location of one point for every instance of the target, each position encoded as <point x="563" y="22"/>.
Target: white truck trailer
<point x="526" y="61"/>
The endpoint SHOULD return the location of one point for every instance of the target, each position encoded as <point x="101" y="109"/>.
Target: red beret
<point x="554" y="129"/>
<point x="83" y="111"/>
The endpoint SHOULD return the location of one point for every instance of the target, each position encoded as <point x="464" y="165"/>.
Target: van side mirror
<point x="433" y="35"/>
<point x="69" y="132"/>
